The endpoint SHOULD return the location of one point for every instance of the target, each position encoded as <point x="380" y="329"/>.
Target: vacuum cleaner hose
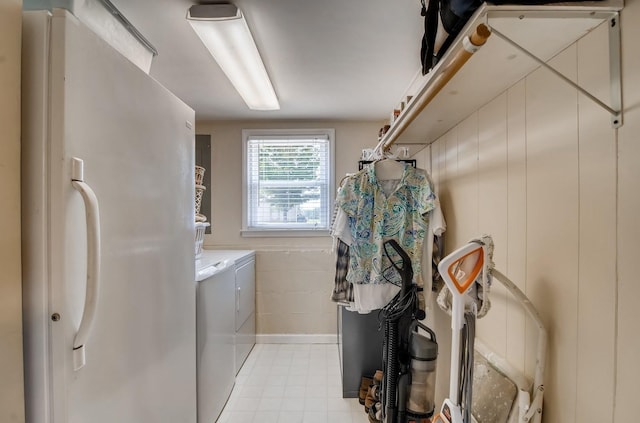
<point x="391" y="375"/>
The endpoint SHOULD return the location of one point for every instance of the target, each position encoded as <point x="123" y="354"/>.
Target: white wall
<point x="11" y="379"/>
<point x="294" y="276"/>
<point x="541" y="169"/>
<point x="628" y="228"/>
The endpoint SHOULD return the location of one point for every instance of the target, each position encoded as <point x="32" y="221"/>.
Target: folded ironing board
<point x="501" y="393"/>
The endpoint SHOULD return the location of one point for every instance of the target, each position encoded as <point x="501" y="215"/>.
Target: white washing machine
<point x="225" y="320"/>
<point x="215" y="336"/>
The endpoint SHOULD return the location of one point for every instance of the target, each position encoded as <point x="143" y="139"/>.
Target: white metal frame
<point x="614" y="69"/>
<point x="530" y="399"/>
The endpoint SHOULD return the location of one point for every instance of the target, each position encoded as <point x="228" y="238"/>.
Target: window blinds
<point x="288" y="182"/>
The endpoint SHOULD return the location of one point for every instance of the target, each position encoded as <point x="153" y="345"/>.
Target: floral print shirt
<point x="375" y="217"/>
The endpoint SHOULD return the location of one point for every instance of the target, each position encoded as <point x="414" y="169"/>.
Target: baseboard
<point x="283" y="338"/>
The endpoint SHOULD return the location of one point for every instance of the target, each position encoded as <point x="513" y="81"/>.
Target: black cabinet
<point x="360" y="339"/>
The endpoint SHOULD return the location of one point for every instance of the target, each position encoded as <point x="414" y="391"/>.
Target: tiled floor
<point x="291" y="383"/>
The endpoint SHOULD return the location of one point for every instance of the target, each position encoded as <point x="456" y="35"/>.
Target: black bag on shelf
<point x="532" y="2"/>
<point x="443" y="20"/>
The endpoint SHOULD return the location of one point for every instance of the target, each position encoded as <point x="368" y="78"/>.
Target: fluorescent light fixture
<point x="225" y="33"/>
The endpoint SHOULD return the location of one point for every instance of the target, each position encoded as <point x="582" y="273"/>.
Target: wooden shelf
<point x="542" y="30"/>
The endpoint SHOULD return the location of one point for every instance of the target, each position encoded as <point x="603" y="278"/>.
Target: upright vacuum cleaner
<point x="466" y="273"/>
<point x="409" y="357"/>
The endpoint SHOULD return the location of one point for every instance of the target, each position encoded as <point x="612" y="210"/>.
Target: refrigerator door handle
<point x="93" y="262"/>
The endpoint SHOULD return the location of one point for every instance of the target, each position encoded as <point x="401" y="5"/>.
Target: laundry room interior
<point x="522" y="149"/>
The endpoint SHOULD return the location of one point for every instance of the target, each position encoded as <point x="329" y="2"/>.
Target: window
<point x="288" y="182"/>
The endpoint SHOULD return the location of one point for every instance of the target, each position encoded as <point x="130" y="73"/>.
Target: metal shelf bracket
<point x="614" y="70"/>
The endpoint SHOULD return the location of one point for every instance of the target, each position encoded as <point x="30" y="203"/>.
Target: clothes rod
<point x="471" y="44"/>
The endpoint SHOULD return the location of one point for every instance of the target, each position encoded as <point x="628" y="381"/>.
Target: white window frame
<point x="248" y="134"/>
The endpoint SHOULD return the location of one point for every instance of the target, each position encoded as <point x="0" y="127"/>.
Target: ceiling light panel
<point x="224" y="31"/>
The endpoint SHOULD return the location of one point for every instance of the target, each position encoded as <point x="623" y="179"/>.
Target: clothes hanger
<point x="388" y="167"/>
<point x="344" y="178"/>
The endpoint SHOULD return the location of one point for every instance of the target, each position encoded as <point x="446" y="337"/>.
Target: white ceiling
<point x="328" y="59"/>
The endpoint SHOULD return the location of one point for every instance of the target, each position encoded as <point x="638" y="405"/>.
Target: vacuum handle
<point x="406" y="272"/>
<point x="427" y="329"/>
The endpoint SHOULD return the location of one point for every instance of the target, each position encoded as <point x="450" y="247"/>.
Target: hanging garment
<point x="343" y="289"/>
<point x="374" y="216"/>
<point x="437" y="227"/>
<point x="360" y="298"/>
<point x="343" y="292"/>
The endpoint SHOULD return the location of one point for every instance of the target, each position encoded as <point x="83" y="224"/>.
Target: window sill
<point x="283" y="233"/>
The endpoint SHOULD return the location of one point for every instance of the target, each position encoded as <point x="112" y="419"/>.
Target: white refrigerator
<point x="91" y="116"/>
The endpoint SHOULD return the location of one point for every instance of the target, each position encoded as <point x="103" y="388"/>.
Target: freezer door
<point x="136" y="141"/>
